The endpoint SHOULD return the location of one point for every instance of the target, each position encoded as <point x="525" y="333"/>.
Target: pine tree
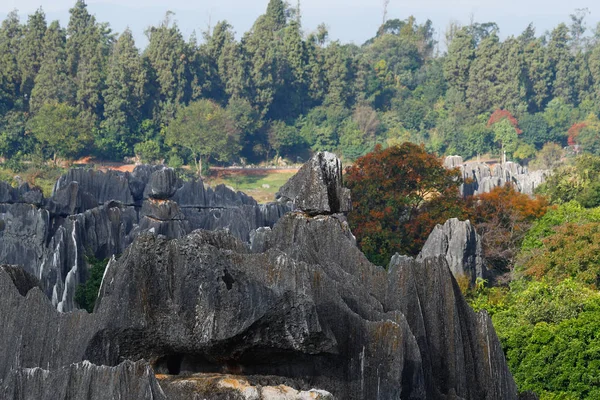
<point x="88" y="47"/>
<point x="338" y="75"/>
<point x="561" y="63"/>
<point x="262" y="52"/>
<point x="594" y="67"/>
<point x="511" y="89"/>
<point x="31" y="52"/>
<point x="10" y="78"/>
<point x="53" y="82"/>
<point x="314" y="71"/>
<point x="168" y="55"/>
<point x="458" y="61"/>
<point x="276" y="14"/>
<point x="483" y="75"/>
<point x="217" y="47"/>
<point x="539" y="75"/>
<point x="291" y="96"/>
<point x="125" y="93"/>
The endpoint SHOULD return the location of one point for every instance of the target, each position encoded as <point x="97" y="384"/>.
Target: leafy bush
<point x="551" y="336"/>
<point x="87" y="293"/>
<point x="502" y="217"/>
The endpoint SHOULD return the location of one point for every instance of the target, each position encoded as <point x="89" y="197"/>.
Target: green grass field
<point x="261" y="184"/>
<point x="43" y="178"/>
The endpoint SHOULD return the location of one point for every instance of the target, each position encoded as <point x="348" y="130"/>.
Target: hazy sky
<point x="348" y="20"/>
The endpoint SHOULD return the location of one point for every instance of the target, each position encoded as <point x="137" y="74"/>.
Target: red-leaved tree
<point x="574" y="132"/>
<point x="502" y="217"/>
<point x="399" y="194"/>
<point x="500" y="115"/>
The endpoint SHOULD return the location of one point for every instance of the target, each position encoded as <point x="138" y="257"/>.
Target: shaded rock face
<point x="317" y="187"/>
<point x="307" y="311"/>
<point x="162" y="185"/>
<point x="458" y="242"/>
<point x="482" y="178"/>
<point x="129" y="380"/>
<point x="99" y="214"/>
<point x="22" y="280"/>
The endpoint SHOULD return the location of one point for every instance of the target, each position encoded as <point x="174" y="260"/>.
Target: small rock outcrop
<point x="128" y="380"/>
<point x="482" y="178"/>
<point x="162" y="184"/>
<point x="458" y="242"/>
<point x="317" y="188"/>
<point x="223" y="386"/>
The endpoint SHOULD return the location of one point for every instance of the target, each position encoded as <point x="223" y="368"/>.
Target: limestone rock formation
<point x="460" y="245"/>
<point x="317" y="187"/>
<point x="103" y="186"/>
<point x="162" y="184"/>
<point x="482" y="178"/>
<point x="22" y="280"/>
<point x="99" y="214"/>
<point x="128" y="380"/>
<point x="233" y="387"/>
<point x="308" y="312"/>
<point x="299" y="313"/>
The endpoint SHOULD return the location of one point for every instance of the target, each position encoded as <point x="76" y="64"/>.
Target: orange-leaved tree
<point x="399" y="194"/>
<point x="502" y="217"/>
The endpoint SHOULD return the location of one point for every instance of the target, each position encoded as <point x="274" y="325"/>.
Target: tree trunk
<point x="198" y="162"/>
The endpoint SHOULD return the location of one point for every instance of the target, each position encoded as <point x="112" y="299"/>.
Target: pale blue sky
<point x="348" y="20"/>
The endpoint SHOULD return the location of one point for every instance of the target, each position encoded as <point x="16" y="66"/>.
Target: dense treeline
<point x="66" y="91"/>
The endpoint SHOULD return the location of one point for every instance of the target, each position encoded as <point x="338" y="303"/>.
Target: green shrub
<point x="87" y="293"/>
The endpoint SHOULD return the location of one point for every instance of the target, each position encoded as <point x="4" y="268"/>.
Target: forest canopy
<point x="291" y="91"/>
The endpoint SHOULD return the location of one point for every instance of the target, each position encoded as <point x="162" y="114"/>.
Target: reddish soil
<point x="216" y="172"/>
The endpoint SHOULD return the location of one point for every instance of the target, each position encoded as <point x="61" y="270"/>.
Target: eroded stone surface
<point x="92" y="213"/>
<point x="458" y="242"/>
<point x="482" y="177"/>
<point x="317" y="187"/>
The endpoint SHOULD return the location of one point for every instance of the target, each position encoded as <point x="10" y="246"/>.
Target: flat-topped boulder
<point x="317" y="187"/>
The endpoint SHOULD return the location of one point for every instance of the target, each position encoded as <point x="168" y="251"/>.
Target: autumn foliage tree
<point x="502" y="217"/>
<point x="501" y="115"/>
<point x="574" y="131"/>
<point x="399" y="194"/>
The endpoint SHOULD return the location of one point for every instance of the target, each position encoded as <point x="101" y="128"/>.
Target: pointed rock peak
<point x="460" y="244"/>
<point x="317" y="187"/>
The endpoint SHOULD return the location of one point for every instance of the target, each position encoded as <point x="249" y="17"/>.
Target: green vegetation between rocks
<point x="86" y="294"/>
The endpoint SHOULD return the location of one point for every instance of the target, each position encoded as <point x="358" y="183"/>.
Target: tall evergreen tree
<point x="88" y="47"/>
<point x="124" y="95"/>
<point x="594" y="67"/>
<point x="53" y="82"/>
<point x="483" y="75"/>
<point x="314" y="71"/>
<point x="539" y="75"/>
<point x="512" y="81"/>
<point x="31" y="52"/>
<point x="458" y="61"/>
<point x="10" y="79"/>
<point x="338" y="75"/>
<point x="561" y="62"/>
<point x="168" y="56"/>
<point x="276" y="14"/>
